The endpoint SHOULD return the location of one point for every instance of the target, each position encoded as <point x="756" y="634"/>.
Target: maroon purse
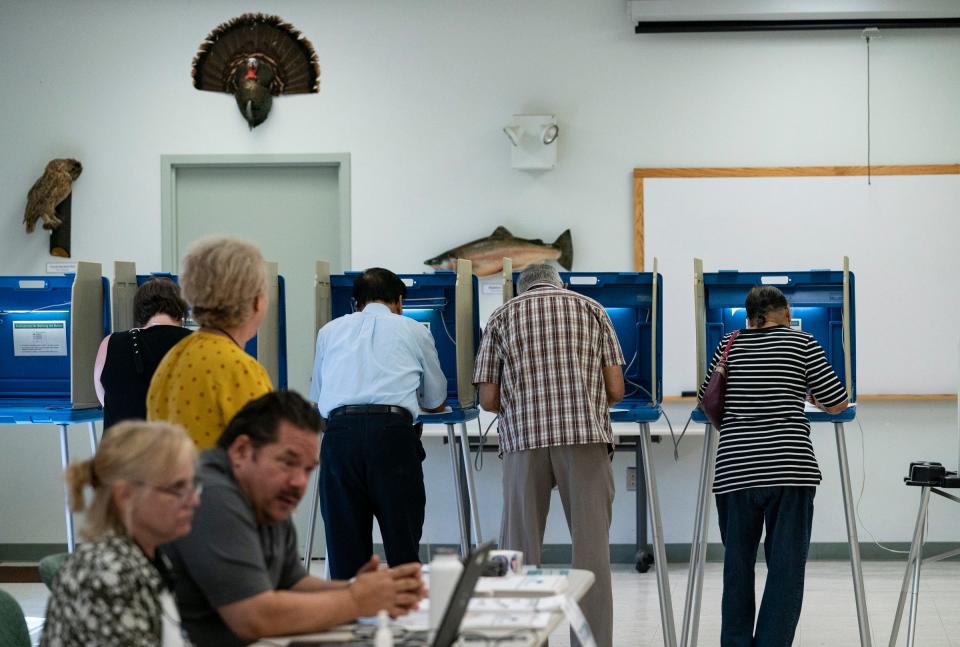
<point x="714" y="396"/>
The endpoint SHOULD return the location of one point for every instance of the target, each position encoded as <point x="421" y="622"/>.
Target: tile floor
<point x="829" y="614"/>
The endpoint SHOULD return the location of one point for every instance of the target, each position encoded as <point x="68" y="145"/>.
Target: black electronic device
<point x="926" y="473"/>
<point x="496" y="566"/>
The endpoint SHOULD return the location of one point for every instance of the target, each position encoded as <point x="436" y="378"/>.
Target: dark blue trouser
<point x="370" y="466"/>
<point x="787" y="512"/>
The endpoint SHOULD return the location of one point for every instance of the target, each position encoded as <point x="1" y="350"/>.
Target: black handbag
<point x="714" y="396"/>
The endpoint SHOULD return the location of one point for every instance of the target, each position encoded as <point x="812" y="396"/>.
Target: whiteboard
<point x="902" y="234"/>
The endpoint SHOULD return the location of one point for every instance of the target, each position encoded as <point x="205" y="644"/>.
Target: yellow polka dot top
<point x="202" y="382"/>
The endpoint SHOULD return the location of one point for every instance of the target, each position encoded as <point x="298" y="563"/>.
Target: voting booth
<point x="822" y="302"/>
<point x="269" y="346"/>
<point x="634" y="303"/>
<point x="446" y="303"/>
<point x="50" y="330"/>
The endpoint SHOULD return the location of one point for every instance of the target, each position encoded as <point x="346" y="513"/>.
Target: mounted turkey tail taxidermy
<point x="256" y="57"/>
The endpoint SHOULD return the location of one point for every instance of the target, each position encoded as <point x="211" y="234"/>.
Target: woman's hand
<point x="813" y="400"/>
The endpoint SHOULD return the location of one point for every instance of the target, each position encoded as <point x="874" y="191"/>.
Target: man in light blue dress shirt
<point x="375" y="372"/>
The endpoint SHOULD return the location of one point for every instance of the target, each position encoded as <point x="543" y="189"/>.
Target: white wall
<point x="417" y="93"/>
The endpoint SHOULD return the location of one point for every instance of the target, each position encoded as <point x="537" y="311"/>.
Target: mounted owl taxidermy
<point x="256" y="57"/>
<point x="49" y="202"/>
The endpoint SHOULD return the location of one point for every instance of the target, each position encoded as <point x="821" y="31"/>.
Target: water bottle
<point x="445" y="571"/>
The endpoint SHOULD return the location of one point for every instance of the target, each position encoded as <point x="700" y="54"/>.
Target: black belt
<point x="370" y="409"/>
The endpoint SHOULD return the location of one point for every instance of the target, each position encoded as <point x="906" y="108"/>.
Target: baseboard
<point x="29" y="552"/>
<point x="680" y="553"/>
<point x="19" y="574"/>
<point x="561" y="553"/>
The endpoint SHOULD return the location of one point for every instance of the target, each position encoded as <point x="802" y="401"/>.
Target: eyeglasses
<point x="182" y="492"/>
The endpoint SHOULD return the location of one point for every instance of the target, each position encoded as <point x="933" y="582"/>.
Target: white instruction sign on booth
<point x="40" y="338"/>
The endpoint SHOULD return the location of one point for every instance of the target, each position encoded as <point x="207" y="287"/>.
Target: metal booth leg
<point x="852" y="539"/>
<point x="64" y="462"/>
<point x="912" y="572"/>
<point x="915" y="588"/>
<point x="458" y="487"/>
<point x="471" y="483"/>
<point x="644" y="558"/>
<point x="698" y="547"/>
<point x="660" y="557"/>
<point x="312" y="525"/>
<point x="93" y="437"/>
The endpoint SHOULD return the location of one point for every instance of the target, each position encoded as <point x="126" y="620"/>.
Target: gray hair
<point x="538" y="273"/>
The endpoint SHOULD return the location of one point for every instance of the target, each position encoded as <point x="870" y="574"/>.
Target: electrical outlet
<point x="631" y="479"/>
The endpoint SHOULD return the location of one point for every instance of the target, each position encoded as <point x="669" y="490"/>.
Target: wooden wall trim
<point x="875" y="397"/>
<point x="637" y="223"/>
<point x="797" y="171"/>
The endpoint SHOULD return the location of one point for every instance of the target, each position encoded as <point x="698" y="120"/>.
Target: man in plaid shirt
<point x="551" y="366"/>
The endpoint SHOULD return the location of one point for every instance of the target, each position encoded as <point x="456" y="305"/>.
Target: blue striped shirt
<point x="376" y="357"/>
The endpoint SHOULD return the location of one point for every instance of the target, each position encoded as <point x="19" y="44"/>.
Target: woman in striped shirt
<point x="766" y="471"/>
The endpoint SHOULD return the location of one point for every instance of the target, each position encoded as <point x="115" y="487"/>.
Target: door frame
<point x="170" y="164"/>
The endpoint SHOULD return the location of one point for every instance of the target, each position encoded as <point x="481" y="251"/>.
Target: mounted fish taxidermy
<point x="49" y="201"/>
<point x="488" y="253"/>
<point x="256" y="57"/>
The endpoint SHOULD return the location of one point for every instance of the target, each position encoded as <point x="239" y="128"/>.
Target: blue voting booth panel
<point x="816" y="306"/>
<point x="37" y="303"/>
<point x="430" y="300"/>
<point x="628" y="299"/>
<point x="251" y="346"/>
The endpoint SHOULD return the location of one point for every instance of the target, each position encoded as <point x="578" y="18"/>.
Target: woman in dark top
<point x="766" y="471"/>
<point x="127" y="360"/>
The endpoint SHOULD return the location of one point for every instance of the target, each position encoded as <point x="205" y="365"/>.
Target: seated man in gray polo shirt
<point x="238" y="573"/>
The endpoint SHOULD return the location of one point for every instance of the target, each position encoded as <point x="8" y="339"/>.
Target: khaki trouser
<point x="583" y="475"/>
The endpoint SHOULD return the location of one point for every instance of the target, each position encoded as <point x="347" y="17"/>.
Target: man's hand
<point x="371" y="566"/>
<point x="397" y="590"/>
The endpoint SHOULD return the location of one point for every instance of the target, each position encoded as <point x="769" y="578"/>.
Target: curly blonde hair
<point x="131" y="451"/>
<point x="221" y="278"/>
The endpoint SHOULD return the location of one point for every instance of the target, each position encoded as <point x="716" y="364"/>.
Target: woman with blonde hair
<point x="208" y="377"/>
<point x="115" y="589"/>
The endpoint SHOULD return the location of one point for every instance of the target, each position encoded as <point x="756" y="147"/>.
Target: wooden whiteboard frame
<point x="639" y="174"/>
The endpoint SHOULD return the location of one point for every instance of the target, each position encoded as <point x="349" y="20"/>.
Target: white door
<point x="293" y="214"/>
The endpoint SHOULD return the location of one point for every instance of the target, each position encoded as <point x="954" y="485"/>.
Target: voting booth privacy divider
<point x="446" y="303"/>
<point x="50" y="330"/>
<point x="821" y="303"/>
<point x="269" y="347"/>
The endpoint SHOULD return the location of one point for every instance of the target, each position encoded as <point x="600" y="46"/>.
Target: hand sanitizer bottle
<point x="383" y="637"/>
<point x="445" y="570"/>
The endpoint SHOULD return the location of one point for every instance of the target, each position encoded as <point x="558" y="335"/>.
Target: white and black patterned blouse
<point x="765" y="437"/>
<point x="109" y="593"/>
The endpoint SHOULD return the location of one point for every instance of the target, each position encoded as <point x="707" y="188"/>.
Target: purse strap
<point x="726" y="351"/>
